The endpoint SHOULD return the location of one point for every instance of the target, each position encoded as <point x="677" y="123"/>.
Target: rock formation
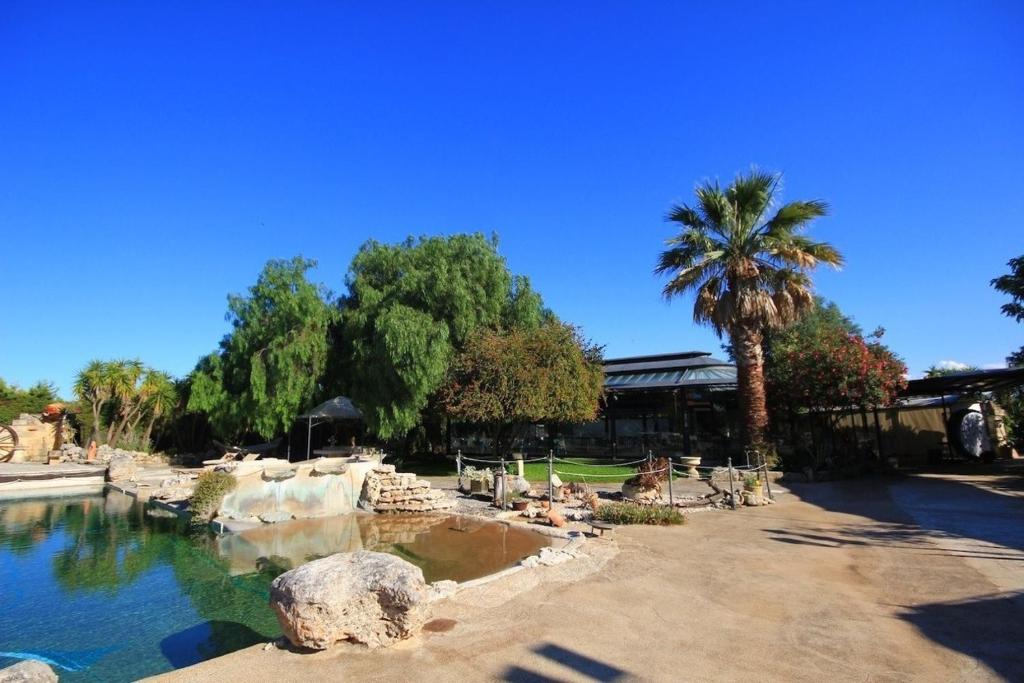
<point x="122" y="468"/>
<point x="365" y="597"/>
<point x="28" y="671"/>
<point x="385" y="490"/>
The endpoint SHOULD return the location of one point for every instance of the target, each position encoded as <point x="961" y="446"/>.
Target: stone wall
<point x="36" y="437"/>
<point x="386" y="490"/>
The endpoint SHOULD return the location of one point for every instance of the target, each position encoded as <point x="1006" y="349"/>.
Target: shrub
<point x="650" y="475"/>
<point x="631" y="513"/>
<point x="211" y="487"/>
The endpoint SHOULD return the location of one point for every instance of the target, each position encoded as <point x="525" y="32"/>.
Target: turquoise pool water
<point x="105" y="591"/>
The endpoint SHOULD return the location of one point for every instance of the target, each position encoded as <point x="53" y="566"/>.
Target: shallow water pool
<point x="104" y="591"/>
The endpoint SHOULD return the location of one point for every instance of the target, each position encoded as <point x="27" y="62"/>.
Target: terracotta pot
<point x="520" y="505"/>
<point x="545" y="504"/>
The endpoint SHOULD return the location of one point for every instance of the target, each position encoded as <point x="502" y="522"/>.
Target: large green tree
<point x="1012" y="284"/>
<point x="271" y="364"/>
<point x="410" y="308"/>
<point x="14" y="400"/>
<point x="748" y="265"/>
<point x="1012" y="400"/>
<point x="506" y="380"/>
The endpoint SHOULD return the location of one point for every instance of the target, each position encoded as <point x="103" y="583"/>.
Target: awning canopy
<point x="966" y="382"/>
<point x="338" y="408"/>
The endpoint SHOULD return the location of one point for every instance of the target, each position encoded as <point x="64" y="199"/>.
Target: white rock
<point x="28" y="671"/>
<point x="122" y="468"/>
<point x="365" y="597"/>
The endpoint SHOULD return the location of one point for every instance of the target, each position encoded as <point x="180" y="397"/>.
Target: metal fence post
<point x="458" y="462"/>
<point x="732" y="485"/>
<point x="650" y="456"/>
<point x="551" y="476"/>
<point x="671" y="498"/>
<point x="768" y="483"/>
<point x="504" y="485"/>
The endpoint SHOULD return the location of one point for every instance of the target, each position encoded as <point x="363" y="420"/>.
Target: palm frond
<point x="695" y="275"/>
<point x="794" y="216"/>
<point x="688" y="216"/>
<point x="751" y="195"/>
<point x="715" y="208"/>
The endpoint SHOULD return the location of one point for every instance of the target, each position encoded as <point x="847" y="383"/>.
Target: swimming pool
<point x="103" y="590"/>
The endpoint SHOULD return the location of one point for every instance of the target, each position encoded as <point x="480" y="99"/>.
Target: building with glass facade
<point x="679" y="403"/>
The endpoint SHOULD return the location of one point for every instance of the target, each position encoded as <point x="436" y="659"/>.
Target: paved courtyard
<point x="916" y="578"/>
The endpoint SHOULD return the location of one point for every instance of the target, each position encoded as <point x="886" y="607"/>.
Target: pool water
<point x="103" y="590"/>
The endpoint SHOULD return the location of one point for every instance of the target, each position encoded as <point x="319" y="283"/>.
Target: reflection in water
<point x="444" y="547"/>
<point x="127" y="595"/>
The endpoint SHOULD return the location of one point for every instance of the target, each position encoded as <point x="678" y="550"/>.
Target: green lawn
<point x="580" y="469"/>
<point x="577" y="469"/>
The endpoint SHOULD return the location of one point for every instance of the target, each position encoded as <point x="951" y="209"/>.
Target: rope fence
<point x="594" y="464"/>
<point x="616" y="475"/>
<point x="674" y="470"/>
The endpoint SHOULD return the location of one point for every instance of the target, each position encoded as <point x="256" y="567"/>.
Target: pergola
<point x="336" y="409"/>
<point x="974" y="381"/>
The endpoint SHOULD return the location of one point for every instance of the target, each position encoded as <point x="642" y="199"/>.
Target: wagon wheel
<point x="8" y="442"/>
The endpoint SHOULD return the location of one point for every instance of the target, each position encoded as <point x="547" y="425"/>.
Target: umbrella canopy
<point x="338" y="408"/>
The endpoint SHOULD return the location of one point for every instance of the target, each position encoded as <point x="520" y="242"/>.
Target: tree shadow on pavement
<point x="974" y="517"/>
<point x="988" y="628"/>
<point x="580" y="664"/>
<point x="914" y="512"/>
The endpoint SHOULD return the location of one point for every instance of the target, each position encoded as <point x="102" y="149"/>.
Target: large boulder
<point x="365" y="597"/>
<point x="122" y="468"/>
<point x="28" y="671"/>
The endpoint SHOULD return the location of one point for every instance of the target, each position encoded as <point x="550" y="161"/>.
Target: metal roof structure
<point x="966" y="382"/>
<point x="668" y="371"/>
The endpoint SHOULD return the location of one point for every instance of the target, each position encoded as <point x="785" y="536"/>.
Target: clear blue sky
<point x="154" y="155"/>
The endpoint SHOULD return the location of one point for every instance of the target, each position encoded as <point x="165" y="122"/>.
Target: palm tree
<point x="92" y="384"/>
<point x="124" y="376"/>
<point x="161" y="397"/>
<point x="748" y="270"/>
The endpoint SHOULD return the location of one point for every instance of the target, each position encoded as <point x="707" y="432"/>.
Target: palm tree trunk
<point x="97" y="413"/>
<point x="750" y="380"/>
<point x="111" y="427"/>
<point x="149" y="430"/>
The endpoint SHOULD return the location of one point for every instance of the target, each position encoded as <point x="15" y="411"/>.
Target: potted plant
<point x="517" y="500"/>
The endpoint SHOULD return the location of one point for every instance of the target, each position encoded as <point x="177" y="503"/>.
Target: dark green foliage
<point x="211" y="487"/>
<point x="1013" y="400"/>
<point x="271" y="365"/>
<point x="14" y="401"/>
<point x="411" y="307"/>
<point x="632" y="513"/>
<point x="1013" y="285"/>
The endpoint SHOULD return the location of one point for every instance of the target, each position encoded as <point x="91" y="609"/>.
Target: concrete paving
<point x="908" y="579"/>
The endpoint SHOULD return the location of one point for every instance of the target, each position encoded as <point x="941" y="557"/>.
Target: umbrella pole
<point x="309" y="436"/>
